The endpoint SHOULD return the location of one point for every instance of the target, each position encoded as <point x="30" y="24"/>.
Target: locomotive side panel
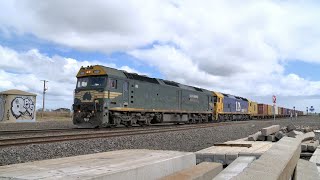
<point x="153" y="96"/>
<point x="195" y="101"/>
<point x="235" y="105"/>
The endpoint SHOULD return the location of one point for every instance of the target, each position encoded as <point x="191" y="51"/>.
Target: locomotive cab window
<point x="90" y="82"/>
<point x="113" y="83"/>
<point x="82" y="82"/>
<point x="97" y="81"/>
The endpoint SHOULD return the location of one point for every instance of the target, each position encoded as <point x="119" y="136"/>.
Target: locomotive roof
<point x="232" y="96"/>
<point x="99" y="70"/>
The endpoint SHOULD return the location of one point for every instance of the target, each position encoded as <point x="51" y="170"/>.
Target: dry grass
<point x="54" y="116"/>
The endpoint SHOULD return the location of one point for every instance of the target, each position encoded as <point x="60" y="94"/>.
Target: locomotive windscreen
<point x="90" y="82"/>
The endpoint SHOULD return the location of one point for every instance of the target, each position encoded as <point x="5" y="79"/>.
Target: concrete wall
<point x="18" y="108"/>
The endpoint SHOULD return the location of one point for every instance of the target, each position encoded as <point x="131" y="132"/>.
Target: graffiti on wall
<point x="2" y="102"/>
<point x="22" y="108"/>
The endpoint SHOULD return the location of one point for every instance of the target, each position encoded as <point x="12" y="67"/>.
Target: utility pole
<point x="43" y="96"/>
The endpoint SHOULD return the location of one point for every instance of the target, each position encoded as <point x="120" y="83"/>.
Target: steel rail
<point x="98" y="134"/>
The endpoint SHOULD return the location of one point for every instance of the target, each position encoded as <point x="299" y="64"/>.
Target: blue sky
<point x="254" y="49"/>
<point x="306" y="70"/>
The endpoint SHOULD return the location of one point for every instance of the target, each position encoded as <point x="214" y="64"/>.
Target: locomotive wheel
<point x="128" y="124"/>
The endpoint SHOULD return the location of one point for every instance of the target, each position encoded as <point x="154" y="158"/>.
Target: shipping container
<point x="280" y="110"/>
<point x="275" y="109"/>
<point x="262" y="109"/>
<point x="253" y="108"/>
<point x="270" y="110"/>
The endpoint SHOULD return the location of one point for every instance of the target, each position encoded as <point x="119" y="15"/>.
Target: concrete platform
<point x="258" y="148"/>
<point x="123" y="164"/>
<point x="225" y="155"/>
<point x="278" y="162"/>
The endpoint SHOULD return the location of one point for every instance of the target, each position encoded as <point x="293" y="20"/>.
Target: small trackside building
<point x="17" y="106"/>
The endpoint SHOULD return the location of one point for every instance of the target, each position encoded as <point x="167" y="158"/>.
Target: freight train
<point x="107" y="97"/>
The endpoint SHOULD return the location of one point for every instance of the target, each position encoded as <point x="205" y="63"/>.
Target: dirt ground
<point x="54" y="116"/>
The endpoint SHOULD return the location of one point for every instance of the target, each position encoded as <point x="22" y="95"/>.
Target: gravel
<point x="188" y="140"/>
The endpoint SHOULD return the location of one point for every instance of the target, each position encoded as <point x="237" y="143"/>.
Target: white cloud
<point x="238" y="47"/>
<point x="25" y="70"/>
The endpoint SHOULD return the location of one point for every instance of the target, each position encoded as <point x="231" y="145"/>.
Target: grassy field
<point x="54" y="116"/>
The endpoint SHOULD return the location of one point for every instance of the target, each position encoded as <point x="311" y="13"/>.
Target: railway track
<point x="39" y="131"/>
<point x="102" y="134"/>
<point x="34" y="131"/>
<point x="62" y="130"/>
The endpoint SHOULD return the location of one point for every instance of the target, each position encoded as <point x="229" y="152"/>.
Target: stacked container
<point x="275" y="108"/>
<point x="270" y="110"/>
<point x="280" y="110"/>
<point x="262" y="109"/>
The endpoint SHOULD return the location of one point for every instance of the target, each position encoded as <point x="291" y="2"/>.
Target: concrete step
<point x="277" y="163"/>
<point x="315" y="158"/>
<point x="279" y="135"/>
<point x="225" y="155"/>
<point x="306" y="170"/>
<point x="306" y="136"/>
<point x="271" y="138"/>
<point x="254" y="136"/>
<point x="270" y="130"/>
<point x="202" y="171"/>
<point x="294" y="133"/>
<point x="312" y="146"/>
<point x="235" y="168"/>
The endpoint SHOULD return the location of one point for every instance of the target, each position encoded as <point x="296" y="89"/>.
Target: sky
<point x="248" y="48"/>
